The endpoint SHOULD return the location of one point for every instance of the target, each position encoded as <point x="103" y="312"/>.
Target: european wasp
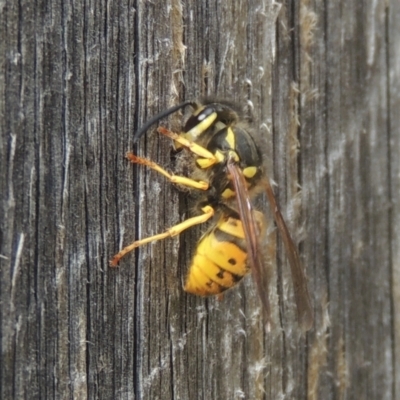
<point x="228" y="172"/>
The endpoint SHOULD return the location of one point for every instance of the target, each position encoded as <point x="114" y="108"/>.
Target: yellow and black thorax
<point x="216" y="127"/>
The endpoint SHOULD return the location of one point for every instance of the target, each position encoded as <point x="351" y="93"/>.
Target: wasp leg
<point x="182" y="180"/>
<point x="171" y="232"/>
<point x="207" y="158"/>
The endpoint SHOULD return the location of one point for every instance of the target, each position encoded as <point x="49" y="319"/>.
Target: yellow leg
<point x="182" y="180"/>
<point x="171" y="232"/>
<point x="193" y="147"/>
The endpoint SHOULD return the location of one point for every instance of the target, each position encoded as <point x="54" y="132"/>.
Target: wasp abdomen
<point x="220" y="260"/>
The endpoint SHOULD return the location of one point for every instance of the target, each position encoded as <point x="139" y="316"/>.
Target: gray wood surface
<point x="321" y="82"/>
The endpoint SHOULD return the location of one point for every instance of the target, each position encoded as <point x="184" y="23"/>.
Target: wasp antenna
<point x="163" y="114"/>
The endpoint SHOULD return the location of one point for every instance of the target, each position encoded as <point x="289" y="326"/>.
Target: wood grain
<point x="320" y="82"/>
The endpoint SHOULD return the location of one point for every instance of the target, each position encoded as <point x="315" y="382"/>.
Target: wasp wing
<point x="246" y="214"/>
<point x="304" y="310"/>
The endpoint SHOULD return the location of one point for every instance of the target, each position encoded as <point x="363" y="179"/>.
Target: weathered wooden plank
<point x="320" y="82"/>
<point x="353" y="101"/>
<point x="393" y="99"/>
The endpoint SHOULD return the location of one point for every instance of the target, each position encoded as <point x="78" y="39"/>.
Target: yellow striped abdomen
<point x="220" y="261"/>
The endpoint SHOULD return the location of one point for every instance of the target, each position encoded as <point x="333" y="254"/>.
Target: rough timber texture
<point x="321" y="81"/>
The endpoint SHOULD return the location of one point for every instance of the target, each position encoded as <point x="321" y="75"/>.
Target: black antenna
<point x="155" y="119"/>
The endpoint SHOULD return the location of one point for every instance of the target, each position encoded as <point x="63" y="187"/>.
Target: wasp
<point x="228" y="172"/>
